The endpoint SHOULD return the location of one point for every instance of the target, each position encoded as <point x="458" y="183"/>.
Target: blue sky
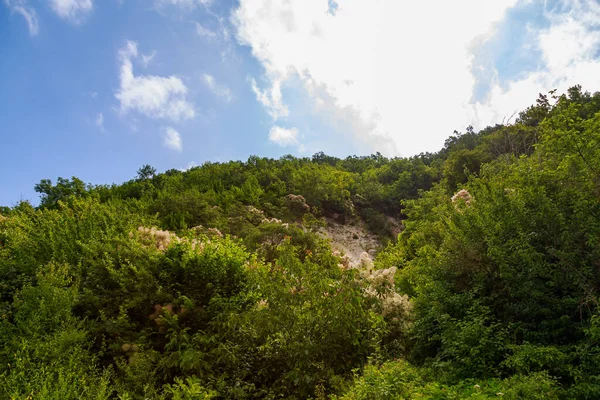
<point x="95" y="89"/>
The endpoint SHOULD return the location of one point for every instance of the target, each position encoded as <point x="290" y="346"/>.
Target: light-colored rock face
<point x="351" y="240"/>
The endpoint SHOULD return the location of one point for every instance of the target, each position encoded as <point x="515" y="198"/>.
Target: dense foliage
<point x="215" y="283"/>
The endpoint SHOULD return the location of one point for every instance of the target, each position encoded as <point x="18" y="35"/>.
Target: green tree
<point x="146" y="172"/>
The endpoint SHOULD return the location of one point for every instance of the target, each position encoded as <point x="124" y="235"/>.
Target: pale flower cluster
<point x="271" y="221"/>
<point x="463" y="195"/>
<point x="197" y="245"/>
<point x="215" y="231"/>
<point x="382" y="278"/>
<point x="381" y="286"/>
<point x="255" y="211"/>
<point x="365" y="264"/>
<point x="161" y="239"/>
<point x="274" y="221"/>
<point x="297" y="201"/>
<point x="262" y="304"/>
<point x="209" y="231"/>
<point x="395" y="303"/>
<point x="345" y="261"/>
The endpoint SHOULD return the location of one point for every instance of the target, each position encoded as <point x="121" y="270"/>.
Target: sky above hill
<point x="95" y="89"/>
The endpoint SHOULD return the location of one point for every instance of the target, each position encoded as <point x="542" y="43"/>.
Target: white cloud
<point x="173" y="139"/>
<point x="284" y="137"/>
<point x="100" y="121"/>
<point x="27" y="12"/>
<point x="399" y="73"/>
<point x="202" y="31"/>
<point x="569" y="49"/>
<point x="151" y="95"/>
<point x="219" y="90"/>
<point x="73" y="11"/>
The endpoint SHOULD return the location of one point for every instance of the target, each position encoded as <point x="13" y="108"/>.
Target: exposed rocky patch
<point x="351" y="239"/>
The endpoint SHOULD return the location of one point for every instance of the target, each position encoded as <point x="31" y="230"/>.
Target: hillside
<point x="472" y="272"/>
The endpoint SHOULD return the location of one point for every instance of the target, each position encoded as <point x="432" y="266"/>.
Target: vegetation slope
<point x="213" y="283"/>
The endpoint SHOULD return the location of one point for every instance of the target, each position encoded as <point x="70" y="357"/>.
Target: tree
<point x="146" y="172"/>
<point x="63" y="189"/>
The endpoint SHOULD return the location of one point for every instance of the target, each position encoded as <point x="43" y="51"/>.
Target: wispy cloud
<point x="271" y="98"/>
<point x="182" y="3"/>
<point x="100" y="121"/>
<point x="219" y="90"/>
<point x="190" y="165"/>
<point x="172" y="140"/>
<point x="151" y="95"/>
<point x="147" y="58"/>
<point x="218" y="35"/>
<point x="21" y="7"/>
<point x="205" y="32"/>
<point x="73" y="11"/>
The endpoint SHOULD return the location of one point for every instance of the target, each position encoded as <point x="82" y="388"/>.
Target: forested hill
<point x="219" y="282"/>
<point x="371" y="187"/>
